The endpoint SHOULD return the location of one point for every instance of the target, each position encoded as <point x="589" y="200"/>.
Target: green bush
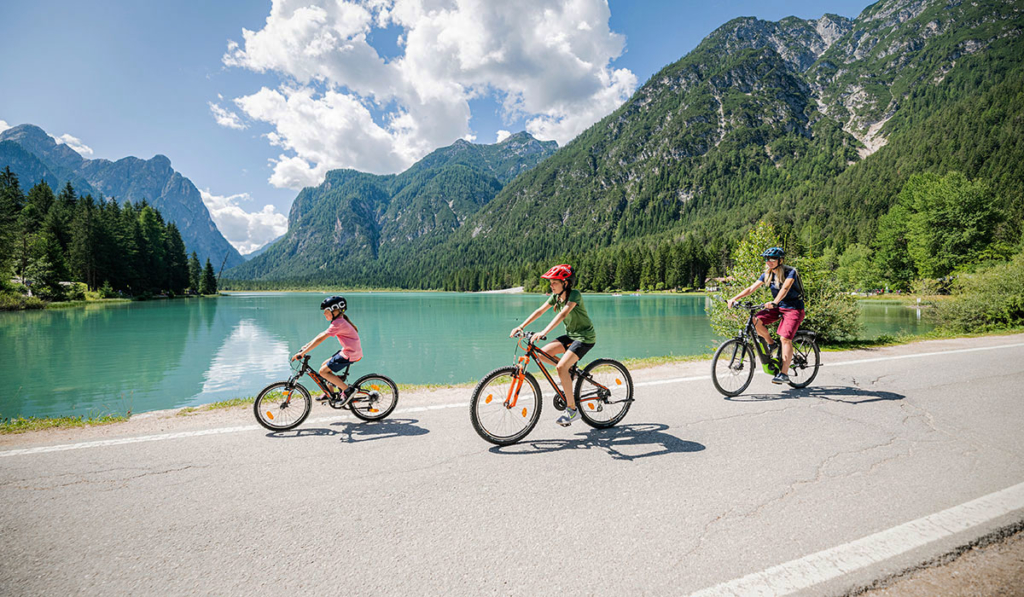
<point x="76" y="292"/>
<point x="986" y="301"/>
<point x="829" y="311"/>
<point x="106" y="291"/>
<point x="12" y="301"/>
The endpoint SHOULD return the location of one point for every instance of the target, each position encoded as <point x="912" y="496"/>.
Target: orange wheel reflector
<point x="374" y="410"/>
<point x="618" y="381"/>
<point x="270" y="415"/>
<point x="591" y="405"/>
<point x="489" y="398"/>
<point x="375" y="387"/>
<point x="524" y="412"/>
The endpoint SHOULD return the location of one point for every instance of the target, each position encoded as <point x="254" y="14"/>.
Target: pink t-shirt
<point x="349" y="338"/>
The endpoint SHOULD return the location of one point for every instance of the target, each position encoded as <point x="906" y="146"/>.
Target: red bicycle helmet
<point x="559" y="272"/>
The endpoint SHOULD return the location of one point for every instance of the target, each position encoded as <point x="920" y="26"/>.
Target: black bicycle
<point x="285" y="405"/>
<point x="732" y="367"/>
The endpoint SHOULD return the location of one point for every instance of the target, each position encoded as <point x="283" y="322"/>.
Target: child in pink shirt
<point x="345" y="331"/>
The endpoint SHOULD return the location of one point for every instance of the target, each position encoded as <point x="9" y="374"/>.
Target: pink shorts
<point x="791" y="319"/>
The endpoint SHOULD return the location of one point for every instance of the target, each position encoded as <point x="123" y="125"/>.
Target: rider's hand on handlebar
<point x="297" y="356"/>
<point x="732" y="303"/>
<point x="515" y="332"/>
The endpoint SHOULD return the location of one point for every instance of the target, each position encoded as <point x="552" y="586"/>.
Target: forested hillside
<point x="816" y="126"/>
<point x="35" y="156"/>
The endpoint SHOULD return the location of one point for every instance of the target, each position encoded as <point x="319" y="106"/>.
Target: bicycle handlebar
<point x="529" y="335"/>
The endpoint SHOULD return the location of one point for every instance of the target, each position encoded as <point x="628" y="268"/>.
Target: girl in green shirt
<point x="578" y="339"/>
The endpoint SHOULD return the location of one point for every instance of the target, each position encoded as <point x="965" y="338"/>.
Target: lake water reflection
<point x="167" y="354"/>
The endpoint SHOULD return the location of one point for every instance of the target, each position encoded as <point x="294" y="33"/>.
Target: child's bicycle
<point x="286" y="404"/>
<point x="506" y="404"/>
<point x="732" y="367"/>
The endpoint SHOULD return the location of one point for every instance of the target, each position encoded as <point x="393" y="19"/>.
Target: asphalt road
<point x="690" y="491"/>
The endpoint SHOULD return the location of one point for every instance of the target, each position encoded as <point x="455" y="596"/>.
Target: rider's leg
<point x="791" y="320"/>
<point x="564" y="365"/>
<point x="787" y="354"/>
<point x="553" y="348"/>
<point x="329" y="375"/>
<point x="762" y="331"/>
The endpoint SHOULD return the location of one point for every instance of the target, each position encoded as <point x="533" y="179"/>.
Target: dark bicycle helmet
<point x="775" y="252"/>
<point x="334" y="303"/>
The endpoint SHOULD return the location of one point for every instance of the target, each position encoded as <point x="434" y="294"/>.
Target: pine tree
<point x="194" y="272"/>
<point x="177" y="260"/>
<point x="208" y="285"/>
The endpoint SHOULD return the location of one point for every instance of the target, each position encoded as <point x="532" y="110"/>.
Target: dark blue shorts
<point x="338" y="362"/>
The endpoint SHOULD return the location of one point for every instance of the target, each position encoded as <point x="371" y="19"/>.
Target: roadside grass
<point x="27" y="424"/>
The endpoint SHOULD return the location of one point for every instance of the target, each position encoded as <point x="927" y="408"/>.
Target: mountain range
<point x="35" y="156"/>
<point x="355" y="226"/>
<point x="812" y="124"/>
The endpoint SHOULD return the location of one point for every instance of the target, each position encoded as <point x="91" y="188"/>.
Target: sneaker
<point x="568" y="417"/>
<point x="346" y="396"/>
<point x="781" y="378"/>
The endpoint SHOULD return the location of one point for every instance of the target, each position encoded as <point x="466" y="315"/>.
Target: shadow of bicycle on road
<point x="353" y="432"/>
<point x="624" y="442"/>
<point x="843" y="394"/>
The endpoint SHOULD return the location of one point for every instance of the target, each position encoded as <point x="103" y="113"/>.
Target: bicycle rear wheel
<point x="280" y="407"/>
<point x="375" y="398"/>
<point x="806" y="360"/>
<point x="604" y="393"/>
<point x="497" y="415"/>
<point x="732" y="367"/>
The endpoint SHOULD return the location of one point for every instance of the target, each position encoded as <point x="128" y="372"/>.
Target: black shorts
<point x="580" y="349"/>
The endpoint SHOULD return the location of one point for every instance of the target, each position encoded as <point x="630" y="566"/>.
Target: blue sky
<point x="142" y="78"/>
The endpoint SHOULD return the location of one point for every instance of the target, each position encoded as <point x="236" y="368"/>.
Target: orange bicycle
<point x="286" y="404"/>
<point x="506" y="403"/>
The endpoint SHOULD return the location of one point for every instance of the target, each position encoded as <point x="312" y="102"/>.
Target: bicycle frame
<point x="749" y="336"/>
<point x="316" y="377"/>
<point x="533" y="353"/>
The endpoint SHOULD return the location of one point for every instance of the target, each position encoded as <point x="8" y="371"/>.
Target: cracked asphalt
<point x="690" y="490"/>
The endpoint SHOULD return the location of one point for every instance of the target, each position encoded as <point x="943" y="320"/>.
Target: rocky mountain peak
<point x="36" y="141"/>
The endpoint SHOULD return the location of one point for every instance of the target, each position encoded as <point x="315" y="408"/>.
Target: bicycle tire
<point x="607" y="411"/>
<point x="375" y="398"/>
<point x="745" y="367"/>
<point x="277" y="416"/>
<point x="488" y="412"/>
<point x="805" y="349"/>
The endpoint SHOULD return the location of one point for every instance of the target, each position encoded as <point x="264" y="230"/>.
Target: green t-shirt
<point x="577" y="323"/>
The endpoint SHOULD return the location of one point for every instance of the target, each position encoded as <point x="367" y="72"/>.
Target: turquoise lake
<point x="146" y="356"/>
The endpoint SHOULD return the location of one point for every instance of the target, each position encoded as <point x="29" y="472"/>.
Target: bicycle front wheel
<point x="280" y="407"/>
<point x="806" y="360"/>
<point x="376" y="397"/>
<point x="732" y="367"/>
<point x="500" y="415"/>
<point x="604" y="393"/>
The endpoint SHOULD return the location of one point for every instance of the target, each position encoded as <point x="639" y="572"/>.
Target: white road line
<point x="166" y="436"/>
<point x="823" y="566"/>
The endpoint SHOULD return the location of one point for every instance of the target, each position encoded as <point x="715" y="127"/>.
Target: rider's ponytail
<point x="350" y="322"/>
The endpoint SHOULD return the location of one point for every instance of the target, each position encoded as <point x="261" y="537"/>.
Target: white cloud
<point x="502" y="135"/>
<point x="226" y="118"/>
<point x="4" y="126"/>
<point x="74" y="143"/>
<point x="246" y="231"/>
<point x="345" y="106"/>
